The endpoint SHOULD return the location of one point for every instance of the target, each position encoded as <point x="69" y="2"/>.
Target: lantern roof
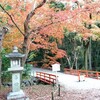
<point x="15" y="53"/>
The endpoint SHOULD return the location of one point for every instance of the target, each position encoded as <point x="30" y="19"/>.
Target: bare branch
<point x="12" y="19"/>
<point x="29" y="16"/>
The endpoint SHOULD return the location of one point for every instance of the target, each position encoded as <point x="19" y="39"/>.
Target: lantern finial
<point x="15" y="49"/>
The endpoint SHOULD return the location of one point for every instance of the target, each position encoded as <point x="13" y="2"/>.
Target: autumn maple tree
<point x="34" y="26"/>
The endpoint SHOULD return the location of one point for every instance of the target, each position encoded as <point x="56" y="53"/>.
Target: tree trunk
<point x="90" y="66"/>
<point x="86" y="59"/>
<point x="25" y="49"/>
<point x="0" y="54"/>
<point x="69" y="62"/>
<point x="76" y="61"/>
<point x="86" y="47"/>
<point x="2" y="33"/>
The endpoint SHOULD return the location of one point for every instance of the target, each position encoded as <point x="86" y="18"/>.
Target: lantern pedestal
<point x="17" y="93"/>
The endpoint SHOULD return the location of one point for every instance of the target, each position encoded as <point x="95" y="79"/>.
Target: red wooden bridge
<point x="46" y="77"/>
<point x="51" y="78"/>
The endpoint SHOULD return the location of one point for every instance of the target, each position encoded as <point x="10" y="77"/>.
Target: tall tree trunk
<point x="76" y="61"/>
<point x="69" y="62"/>
<point x="75" y="55"/>
<point x="90" y="66"/>
<point x="86" y="59"/>
<point x="2" y="33"/>
<point x="86" y="47"/>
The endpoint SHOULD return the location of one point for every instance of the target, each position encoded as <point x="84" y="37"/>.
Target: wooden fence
<point x="87" y="73"/>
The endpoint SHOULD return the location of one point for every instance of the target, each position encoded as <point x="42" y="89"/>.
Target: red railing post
<point x="78" y="76"/>
<point x="97" y="75"/>
<point x="86" y="73"/>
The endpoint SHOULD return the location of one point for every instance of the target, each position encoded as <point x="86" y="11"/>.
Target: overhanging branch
<point x="12" y="19"/>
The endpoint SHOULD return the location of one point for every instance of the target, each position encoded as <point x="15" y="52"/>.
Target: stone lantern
<point x="16" y="69"/>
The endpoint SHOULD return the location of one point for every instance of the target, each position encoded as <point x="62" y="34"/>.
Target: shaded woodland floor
<point x="43" y="92"/>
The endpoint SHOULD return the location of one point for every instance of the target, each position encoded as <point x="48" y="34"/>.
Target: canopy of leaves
<point x="39" y="21"/>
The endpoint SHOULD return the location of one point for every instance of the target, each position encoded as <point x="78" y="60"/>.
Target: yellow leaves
<point x="12" y="39"/>
<point x="97" y="30"/>
<point x="96" y="16"/>
<point x="96" y="34"/>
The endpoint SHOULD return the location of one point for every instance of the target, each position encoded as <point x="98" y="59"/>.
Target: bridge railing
<point x="47" y="78"/>
<point x="87" y="73"/>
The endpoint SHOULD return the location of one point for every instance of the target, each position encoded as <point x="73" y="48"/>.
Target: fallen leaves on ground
<point x="43" y="92"/>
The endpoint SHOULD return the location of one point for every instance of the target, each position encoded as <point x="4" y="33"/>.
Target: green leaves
<point x="52" y="4"/>
<point x="31" y="55"/>
<point x="58" y="5"/>
<point x="8" y="7"/>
